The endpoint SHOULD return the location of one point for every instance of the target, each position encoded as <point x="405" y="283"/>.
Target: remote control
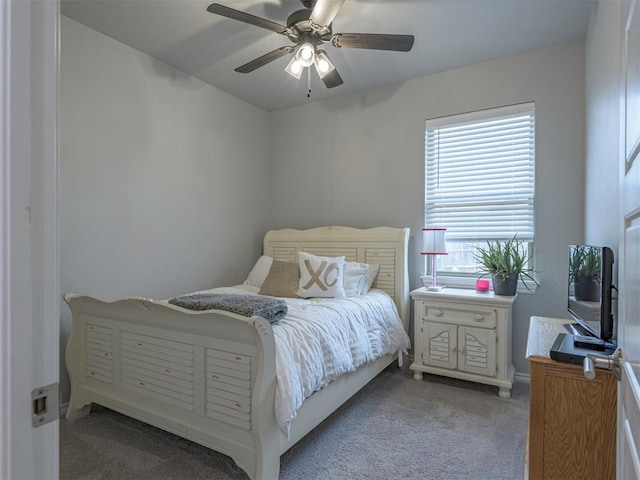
<point x="588" y="343"/>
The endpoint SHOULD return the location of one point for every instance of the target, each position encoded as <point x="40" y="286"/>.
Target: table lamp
<point x="433" y="244"/>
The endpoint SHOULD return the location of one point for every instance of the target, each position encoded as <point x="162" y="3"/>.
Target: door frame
<point x="29" y="259"/>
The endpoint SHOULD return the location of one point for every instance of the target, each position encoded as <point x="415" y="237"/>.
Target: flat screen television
<point x="589" y="293"/>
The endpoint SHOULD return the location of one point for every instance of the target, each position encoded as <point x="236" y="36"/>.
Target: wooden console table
<point x="572" y="420"/>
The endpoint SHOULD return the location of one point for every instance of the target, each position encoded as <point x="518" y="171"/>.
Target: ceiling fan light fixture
<point x="324" y="66"/>
<point x="294" y="67"/>
<point x="306" y="54"/>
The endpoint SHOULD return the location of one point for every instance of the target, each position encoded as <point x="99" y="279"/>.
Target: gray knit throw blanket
<point x="270" y="308"/>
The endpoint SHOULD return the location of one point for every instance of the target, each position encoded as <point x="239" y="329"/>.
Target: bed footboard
<point x="206" y="376"/>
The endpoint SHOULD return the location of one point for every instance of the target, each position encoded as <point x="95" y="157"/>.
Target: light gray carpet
<point x="395" y="427"/>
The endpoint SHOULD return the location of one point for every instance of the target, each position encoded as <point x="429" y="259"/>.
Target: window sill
<point x="527" y="287"/>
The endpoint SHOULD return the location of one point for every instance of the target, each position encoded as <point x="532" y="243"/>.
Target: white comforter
<point x="324" y="338"/>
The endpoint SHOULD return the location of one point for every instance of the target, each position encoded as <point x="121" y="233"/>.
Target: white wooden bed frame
<point x="161" y="364"/>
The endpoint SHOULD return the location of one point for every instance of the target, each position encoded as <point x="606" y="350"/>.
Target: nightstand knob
<point x="478" y="317"/>
<point x="461" y="349"/>
<point x="453" y="348"/>
<point x="437" y="313"/>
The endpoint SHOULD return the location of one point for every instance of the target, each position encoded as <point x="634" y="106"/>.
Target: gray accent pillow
<point x="282" y="280"/>
<point x="370" y="277"/>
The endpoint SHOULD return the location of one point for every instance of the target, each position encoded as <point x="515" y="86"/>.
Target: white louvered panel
<point x="232" y="357"/>
<point x="228" y="372"/>
<point x="98" y="348"/>
<point x="99" y="353"/>
<point x="240" y="370"/>
<point x="214" y="407"/>
<point x="285" y="254"/>
<point x="99" y="337"/>
<point x="91" y="329"/>
<point x="234" y="405"/>
<point x="99" y="373"/>
<point x="386" y="258"/>
<point x="350" y="254"/>
<point x="147" y="342"/>
<point x="162" y="391"/>
<point x="242" y="390"/>
<point x="159" y="350"/>
<point x="99" y="356"/>
<point x="178" y="379"/>
<point x="185" y="390"/>
<point x="166" y="392"/>
<point x="165" y="354"/>
<point x="99" y="361"/>
<point x="149" y="391"/>
<point x="183" y="373"/>
<point x="158" y="367"/>
<point x="143" y="361"/>
<point x="229" y="387"/>
<point x="439" y="345"/>
<point x="478" y="352"/>
<point x="242" y="397"/>
<point x="217" y="377"/>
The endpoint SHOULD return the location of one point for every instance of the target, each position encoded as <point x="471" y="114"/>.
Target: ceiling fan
<point x="310" y="28"/>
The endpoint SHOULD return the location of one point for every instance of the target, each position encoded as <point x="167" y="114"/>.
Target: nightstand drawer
<point x="458" y="314"/>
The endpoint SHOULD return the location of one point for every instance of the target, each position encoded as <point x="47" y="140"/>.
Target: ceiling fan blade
<point x="373" y="41"/>
<point x="264" y="59"/>
<point x="324" y="12"/>
<point x="246" y="18"/>
<point x="333" y="79"/>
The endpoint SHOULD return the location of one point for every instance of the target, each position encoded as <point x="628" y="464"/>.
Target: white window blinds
<point x="479" y="174"/>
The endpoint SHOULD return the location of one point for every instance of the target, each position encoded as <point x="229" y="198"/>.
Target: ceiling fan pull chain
<point x="309" y="82"/>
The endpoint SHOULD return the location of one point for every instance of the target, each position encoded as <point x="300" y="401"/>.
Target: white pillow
<point x="370" y="277"/>
<point x="354" y="276"/>
<point x="259" y="272"/>
<point x="320" y="276"/>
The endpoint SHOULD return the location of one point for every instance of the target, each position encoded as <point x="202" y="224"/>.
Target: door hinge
<point x="44" y="405"/>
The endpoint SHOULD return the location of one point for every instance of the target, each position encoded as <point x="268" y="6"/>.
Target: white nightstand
<point x="464" y="334"/>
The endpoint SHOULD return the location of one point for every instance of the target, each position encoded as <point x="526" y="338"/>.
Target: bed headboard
<point x="383" y="245"/>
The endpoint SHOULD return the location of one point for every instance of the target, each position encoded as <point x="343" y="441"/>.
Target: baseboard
<point x="519" y="377"/>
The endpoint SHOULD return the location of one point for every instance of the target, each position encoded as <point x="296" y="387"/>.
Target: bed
<point x="110" y="339"/>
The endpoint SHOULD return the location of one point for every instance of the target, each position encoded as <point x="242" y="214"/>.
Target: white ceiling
<point x="448" y="34"/>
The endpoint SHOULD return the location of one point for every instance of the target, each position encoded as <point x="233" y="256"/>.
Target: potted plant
<point x="584" y="272"/>
<point x="506" y="262"/>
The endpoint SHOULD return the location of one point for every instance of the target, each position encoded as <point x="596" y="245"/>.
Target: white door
<point x="29" y="292"/>
<point x="628" y="462"/>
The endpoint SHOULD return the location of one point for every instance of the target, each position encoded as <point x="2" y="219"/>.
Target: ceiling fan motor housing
<point x="299" y="26"/>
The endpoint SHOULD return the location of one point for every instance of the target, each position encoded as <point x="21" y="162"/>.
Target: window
<point x="479" y="181"/>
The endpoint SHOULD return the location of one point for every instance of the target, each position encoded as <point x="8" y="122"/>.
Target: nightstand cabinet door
<point x="477" y="351"/>
<point x="439" y="345"/>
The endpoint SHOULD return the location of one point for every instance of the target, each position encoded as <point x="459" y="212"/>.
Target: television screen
<point x="589" y="292"/>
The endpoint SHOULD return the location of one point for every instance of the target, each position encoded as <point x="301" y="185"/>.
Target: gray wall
<point x="369" y="169"/>
<point x="161" y="175"/>
<point x="602" y="170"/>
<point x="603" y="125"/>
